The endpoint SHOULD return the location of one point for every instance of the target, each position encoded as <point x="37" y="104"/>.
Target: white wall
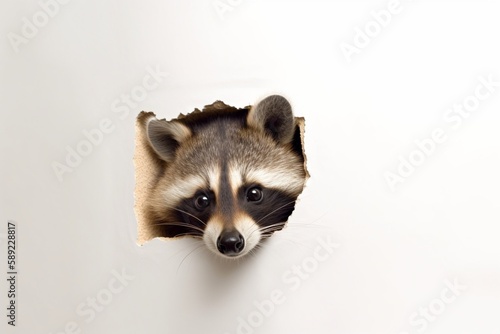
<point x="395" y="250"/>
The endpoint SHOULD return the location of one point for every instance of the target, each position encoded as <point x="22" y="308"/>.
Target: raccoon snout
<point x="230" y="243"/>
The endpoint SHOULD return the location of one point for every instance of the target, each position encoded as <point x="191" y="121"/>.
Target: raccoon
<point x="228" y="176"/>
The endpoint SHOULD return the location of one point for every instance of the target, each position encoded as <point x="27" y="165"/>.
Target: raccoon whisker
<point x="177" y="223"/>
<point x="180" y="224"/>
<point x="270" y="213"/>
<point x="181" y="250"/>
<point x="254" y="230"/>
<point x="267" y="234"/>
<point x="187" y="213"/>
<point x="289" y="240"/>
<point x="314" y="221"/>
<point x="193" y="232"/>
<point x="253" y="251"/>
<point x="265" y="229"/>
<point x="185" y="257"/>
<point x="272" y="226"/>
<point x="270" y="229"/>
<point x="197" y="236"/>
<point x="312" y="224"/>
<point x="259" y="246"/>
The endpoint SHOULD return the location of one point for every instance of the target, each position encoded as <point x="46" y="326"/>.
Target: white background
<point x="396" y="248"/>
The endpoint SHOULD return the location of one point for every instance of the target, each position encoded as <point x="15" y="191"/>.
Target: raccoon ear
<point x="165" y="137"/>
<point x="274" y="116"/>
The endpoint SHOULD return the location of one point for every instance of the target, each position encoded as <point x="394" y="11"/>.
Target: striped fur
<point x="220" y="156"/>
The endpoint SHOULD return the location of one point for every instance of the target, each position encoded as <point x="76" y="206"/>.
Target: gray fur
<point x="274" y="116"/>
<point x="205" y="150"/>
<point x="165" y="137"/>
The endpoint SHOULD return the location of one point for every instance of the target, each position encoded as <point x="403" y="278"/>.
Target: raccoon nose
<point x="230" y="243"/>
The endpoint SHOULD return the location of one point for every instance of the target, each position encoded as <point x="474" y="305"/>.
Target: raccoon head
<point x="230" y="176"/>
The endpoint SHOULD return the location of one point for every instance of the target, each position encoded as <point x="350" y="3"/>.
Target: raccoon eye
<point x="254" y="194"/>
<point x="201" y="202"/>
